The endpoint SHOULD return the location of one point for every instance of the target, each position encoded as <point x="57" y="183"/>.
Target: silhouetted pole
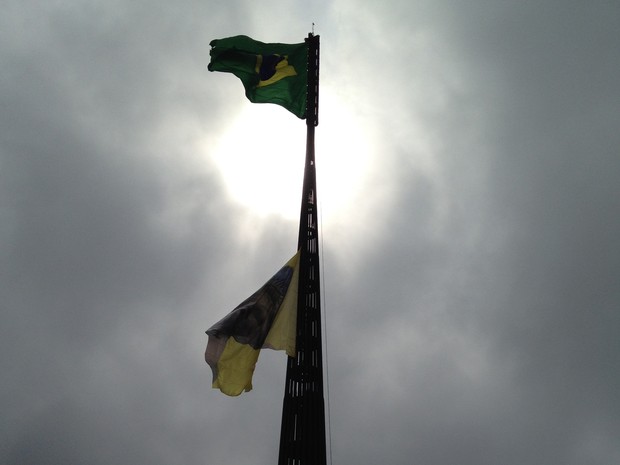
<point x="302" y="438"/>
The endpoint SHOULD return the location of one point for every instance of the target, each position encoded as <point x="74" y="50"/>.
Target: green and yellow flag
<point x="270" y="73"/>
<point x="268" y="318"/>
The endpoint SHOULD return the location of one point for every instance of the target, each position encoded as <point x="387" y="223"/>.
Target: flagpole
<point x="302" y="436"/>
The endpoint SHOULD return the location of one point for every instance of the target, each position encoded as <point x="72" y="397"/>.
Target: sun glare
<point x="261" y="158"/>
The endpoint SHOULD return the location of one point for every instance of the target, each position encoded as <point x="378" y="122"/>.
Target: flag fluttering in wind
<point x="268" y="318"/>
<point x="270" y="73"/>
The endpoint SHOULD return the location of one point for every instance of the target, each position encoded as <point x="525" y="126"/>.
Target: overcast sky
<point x="469" y="179"/>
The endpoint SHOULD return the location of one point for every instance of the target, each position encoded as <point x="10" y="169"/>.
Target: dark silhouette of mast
<point x="302" y="437"/>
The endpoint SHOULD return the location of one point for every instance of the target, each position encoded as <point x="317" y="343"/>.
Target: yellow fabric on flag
<point x="235" y="368"/>
<point x="233" y="363"/>
<point x="283" y="69"/>
<point x="283" y="330"/>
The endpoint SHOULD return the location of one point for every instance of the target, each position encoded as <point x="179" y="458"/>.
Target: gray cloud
<point x="474" y="321"/>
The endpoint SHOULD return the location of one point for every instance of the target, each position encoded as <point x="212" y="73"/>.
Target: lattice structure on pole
<point x="302" y="437"/>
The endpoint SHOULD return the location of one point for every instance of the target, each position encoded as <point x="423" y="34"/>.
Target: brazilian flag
<point x="270" y="73"/>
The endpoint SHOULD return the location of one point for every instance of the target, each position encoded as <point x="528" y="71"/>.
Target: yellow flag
<point x="268" y="318"/>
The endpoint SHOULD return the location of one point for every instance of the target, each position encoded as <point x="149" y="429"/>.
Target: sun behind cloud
<point x="261" y="159"/>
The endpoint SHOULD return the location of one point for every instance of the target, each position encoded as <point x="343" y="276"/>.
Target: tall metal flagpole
<point x="302" y="437"/>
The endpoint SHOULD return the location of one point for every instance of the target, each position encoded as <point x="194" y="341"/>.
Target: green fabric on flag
<point x="270" y="73"/>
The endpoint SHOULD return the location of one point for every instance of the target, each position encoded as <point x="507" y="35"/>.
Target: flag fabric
<point x="270" y="73"/>
<point x="268" y="318"/>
